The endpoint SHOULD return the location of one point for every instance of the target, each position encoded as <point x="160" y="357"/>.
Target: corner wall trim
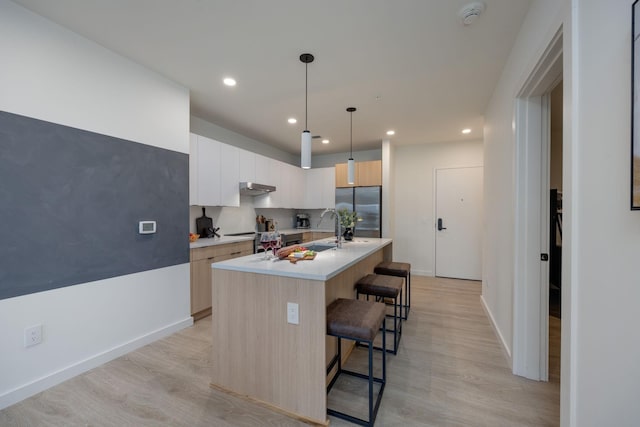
<point x="16" y="395"/>
<point x="505" y="348"/>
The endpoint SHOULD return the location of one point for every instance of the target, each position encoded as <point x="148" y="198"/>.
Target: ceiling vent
<point x="470" y="12"/>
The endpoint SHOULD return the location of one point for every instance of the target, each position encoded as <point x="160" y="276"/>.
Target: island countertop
<point x="326" y="265"/>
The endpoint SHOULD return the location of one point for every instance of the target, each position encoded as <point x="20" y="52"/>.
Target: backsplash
<point x="243" y="218"/>
<point x="229" y="219"/>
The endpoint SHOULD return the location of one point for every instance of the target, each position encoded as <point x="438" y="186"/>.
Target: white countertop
<point x="306" y="230"/>
<point x="326" y="264"/>
<point x="203" y="242"/>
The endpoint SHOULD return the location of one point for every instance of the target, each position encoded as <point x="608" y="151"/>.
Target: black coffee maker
<point x="302" y="220"/>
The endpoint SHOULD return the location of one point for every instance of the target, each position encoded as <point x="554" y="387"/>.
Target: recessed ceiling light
<point x="466" y="131"/>
<point x="229" y="81"/>
<point x="325" y="141"/>
<point x="391" y="132"/>
<point x="292" y="120"/>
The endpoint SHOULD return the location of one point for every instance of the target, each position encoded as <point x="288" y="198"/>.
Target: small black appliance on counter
<point x="302" y="220"/>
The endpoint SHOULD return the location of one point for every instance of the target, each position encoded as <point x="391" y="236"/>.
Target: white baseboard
<point x="427" y="273"/>
<point x="505" y="348"/>
<point x="16" y="395"/>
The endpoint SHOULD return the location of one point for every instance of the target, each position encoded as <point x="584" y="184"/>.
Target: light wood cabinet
<point x="369" y="173"/>
<point x="201" y="260"/>
<point x="366" y="174"/>
<point x="317" y="235"/>
<point x="341" y="175"/>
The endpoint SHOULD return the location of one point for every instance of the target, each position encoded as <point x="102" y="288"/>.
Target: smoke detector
<point x="470" y="12"/>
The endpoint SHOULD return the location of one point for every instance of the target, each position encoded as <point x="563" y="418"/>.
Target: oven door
<point x="291" y="239"/>
<point x="256" y="244"/>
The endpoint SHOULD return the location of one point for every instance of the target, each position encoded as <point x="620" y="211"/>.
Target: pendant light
<point x="351" y="164"/>
<point x="305" y="146"/>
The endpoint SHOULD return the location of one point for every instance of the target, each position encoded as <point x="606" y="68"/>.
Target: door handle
<point x="440" y="227"/>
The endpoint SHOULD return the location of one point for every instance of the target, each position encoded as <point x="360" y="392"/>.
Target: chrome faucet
<point x="339" y="219"/>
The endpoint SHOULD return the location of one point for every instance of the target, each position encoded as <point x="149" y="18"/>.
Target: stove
<point x="287" y="240"/>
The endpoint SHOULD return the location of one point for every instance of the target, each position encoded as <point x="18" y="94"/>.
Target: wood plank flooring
<point x="449" y="371"/>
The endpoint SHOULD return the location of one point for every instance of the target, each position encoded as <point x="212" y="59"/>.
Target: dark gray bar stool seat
<point x="398" y="269"/>
<point x="382" y="288"/>
<point x="358" y="321"/>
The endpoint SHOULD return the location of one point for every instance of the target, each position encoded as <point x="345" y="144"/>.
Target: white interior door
<point x="459" y="223"/>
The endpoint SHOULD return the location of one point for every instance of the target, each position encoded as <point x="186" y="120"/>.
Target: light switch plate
<point x="33" y="335"/>
<point x="293" y="316"/>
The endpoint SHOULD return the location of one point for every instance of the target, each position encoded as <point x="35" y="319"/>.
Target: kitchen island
<point x="256" y="352"/>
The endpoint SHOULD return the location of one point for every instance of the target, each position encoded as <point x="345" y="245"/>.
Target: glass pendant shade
<point x="305" y="151"/>
<point x="351" y="171"/>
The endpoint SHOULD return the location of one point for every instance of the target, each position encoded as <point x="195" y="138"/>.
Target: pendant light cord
<point x="306" y="95"/>
<point x="351" y="131"/>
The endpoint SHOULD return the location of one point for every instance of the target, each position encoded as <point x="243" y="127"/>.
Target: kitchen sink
<point x="319" y="247"/>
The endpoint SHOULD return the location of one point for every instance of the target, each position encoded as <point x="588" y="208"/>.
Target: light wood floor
<point x="449" y="371"/>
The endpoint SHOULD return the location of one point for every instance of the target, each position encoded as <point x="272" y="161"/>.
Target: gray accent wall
<point x="71" y="200"/>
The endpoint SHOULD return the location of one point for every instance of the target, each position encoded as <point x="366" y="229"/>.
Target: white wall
<point x="607" y="285"/>
<point x="600" y="349"/>
<point x="542" y="21"/>
<point x="414" y="224"/>
<point x="52" y="74"/>
<point x="388" y="192"/>
<point x="202" y="127"/>
<point x="330" y="160"/>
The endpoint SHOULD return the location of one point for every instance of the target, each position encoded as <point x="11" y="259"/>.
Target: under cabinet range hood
<point x="255" y="189"/>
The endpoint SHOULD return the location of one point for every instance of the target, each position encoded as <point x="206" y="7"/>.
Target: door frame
<point x="531" y="293"/>
<point x="435" y="208"/>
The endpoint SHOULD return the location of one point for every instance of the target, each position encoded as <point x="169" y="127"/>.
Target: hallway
<point x="449" y="371"/>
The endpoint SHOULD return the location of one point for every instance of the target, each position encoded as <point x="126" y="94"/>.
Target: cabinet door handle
<point x="235" y="253"/>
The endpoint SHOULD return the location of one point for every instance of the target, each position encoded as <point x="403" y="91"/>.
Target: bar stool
<point x="358" y="321"/>
<point x="383" y="287"/>
<point x="398" y="269"/>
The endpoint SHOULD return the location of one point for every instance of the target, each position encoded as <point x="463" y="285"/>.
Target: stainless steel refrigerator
<point x="367" y="203"/>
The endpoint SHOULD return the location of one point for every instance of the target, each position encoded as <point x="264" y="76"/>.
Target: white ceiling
<point x="407" y="65"/>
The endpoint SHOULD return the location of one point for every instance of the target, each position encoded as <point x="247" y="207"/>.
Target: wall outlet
<point x="33" y="336"/>
<point x="292" y="313"/>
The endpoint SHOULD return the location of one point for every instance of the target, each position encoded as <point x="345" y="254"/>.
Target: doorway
<point x="532" y="215"/>
<point x="555" y="232"/>
<point x="458" y="208"/>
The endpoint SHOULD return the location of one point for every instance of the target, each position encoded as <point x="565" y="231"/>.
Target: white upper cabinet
<point x="267" y="172"/>
<point x="297" y="178"/>
<point x="262" y="166"/>
<point x="193" y="169"/>
<point x="320" y="188"/>
<point x="328" y="180"/>
<point x="289" y="181"/>
<point x="247" y="161"/>
<point x="216" y="169"/>
<point x="207" y="172"/>
<point x="313" y="189"/>
<point x="229" y="175"/>
<point x="213" y="173"/>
